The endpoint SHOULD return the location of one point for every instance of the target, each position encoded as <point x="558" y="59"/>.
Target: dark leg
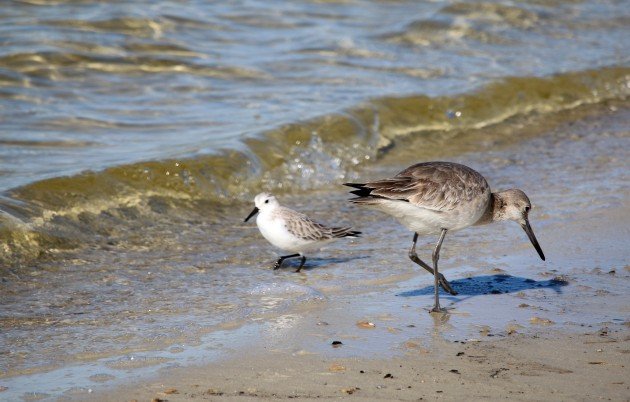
<point x="436" y="257"/>
<point x="301" y="264"/>
<point x="281" y="259"/>
<point x="414" y="257"/>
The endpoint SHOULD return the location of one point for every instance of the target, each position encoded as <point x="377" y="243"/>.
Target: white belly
<point x="274" y="230"/>
<point x="425" y="221"/>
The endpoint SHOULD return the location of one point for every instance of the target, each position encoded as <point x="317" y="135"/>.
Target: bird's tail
<point x="363" y="194"/>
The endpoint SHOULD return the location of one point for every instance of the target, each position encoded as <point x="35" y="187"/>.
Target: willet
<point x="436" y="197"/>
<point x="291" y="230"/>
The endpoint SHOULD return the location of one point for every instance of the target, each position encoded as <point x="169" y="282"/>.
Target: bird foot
<point x="446" y="286"/>
<point x="437" y="310"/>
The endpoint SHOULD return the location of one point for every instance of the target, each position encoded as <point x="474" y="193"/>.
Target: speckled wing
<point x="303" y="227"/>
<point x="438" y="186"/>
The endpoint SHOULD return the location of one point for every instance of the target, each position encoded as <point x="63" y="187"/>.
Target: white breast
<point x="273" y="228"/>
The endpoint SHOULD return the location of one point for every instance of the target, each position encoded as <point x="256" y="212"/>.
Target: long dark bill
<point x="532" y="238"/>
<point x="255" y="211"/>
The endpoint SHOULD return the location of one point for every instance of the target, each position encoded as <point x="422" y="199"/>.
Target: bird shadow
<point x="312" y="263"/>
<point x="491" y="284"/>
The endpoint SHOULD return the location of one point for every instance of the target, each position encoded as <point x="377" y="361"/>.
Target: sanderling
<point x="291" y="230"/>
<point x="436" y="197"/>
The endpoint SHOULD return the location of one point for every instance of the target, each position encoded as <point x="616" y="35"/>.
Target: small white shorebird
<point x="291" y="230"/>
<point x="436" y="197"/>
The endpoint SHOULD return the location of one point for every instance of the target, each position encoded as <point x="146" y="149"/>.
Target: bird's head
<point x="262" y="202"/>
<point x="514" y="205"/>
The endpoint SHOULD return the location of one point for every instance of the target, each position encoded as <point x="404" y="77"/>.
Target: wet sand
<point x="544" y="366"/>
<point x="526" y="351"/>
<point x="519" y="329"/>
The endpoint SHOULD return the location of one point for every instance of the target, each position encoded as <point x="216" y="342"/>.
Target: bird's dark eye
<point x="527" y="208"/>
<point x="266" y="201"/>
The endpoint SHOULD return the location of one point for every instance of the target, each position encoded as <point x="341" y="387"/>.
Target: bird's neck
<point x="491" y="213"/>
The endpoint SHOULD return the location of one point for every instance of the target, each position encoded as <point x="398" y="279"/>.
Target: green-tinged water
<point x="134" y="136"/>
<point x="106" y="106"/>
<point x="305" y="156"/>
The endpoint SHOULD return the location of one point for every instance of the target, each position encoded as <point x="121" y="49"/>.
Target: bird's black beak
<point x="255" y="211"/>
<point x="532" y="238"/>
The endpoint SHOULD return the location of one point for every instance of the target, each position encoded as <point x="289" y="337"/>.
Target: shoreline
<point x="527" y="331"/>
<point x="520" y="307"/>
<point x="135" y="139"/>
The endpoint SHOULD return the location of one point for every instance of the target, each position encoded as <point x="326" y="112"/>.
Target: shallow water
<point x="210" y="103"/>
<point x="87" y="85"/>
<point x="169" y="117"/>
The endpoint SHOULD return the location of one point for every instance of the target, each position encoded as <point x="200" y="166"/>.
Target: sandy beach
<point x="544" y="366"/>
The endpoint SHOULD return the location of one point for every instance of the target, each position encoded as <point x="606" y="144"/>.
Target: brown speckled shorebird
<point x="436" y="197"/>
<point x="291" y="230"/>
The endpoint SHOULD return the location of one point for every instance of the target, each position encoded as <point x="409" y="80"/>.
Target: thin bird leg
<point x="282" y="258"/>
<point x="414" y="257"/>
<point x="436" y="256"/>
<point x="301" y="264"/>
